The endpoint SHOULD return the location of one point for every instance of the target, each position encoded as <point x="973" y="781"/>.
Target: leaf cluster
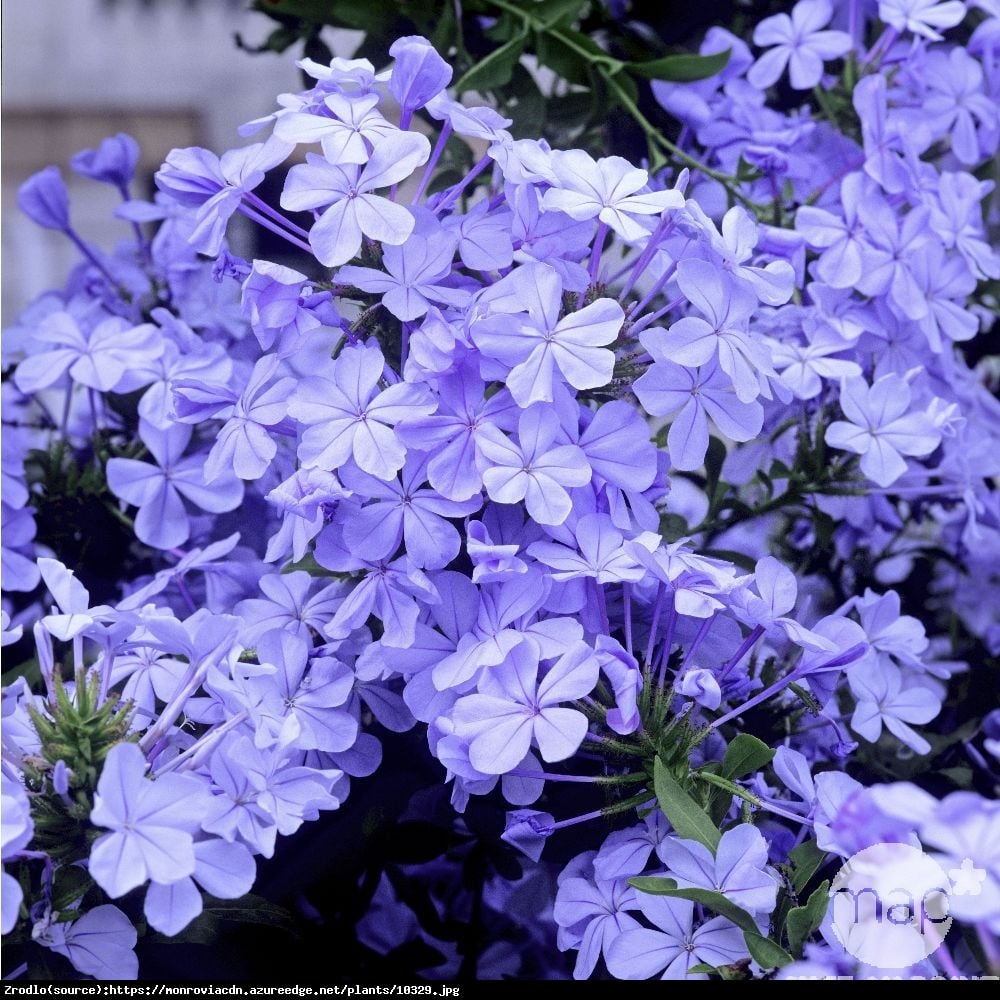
<point x="568" y="70"/>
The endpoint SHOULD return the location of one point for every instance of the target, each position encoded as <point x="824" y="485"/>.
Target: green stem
<point x="119" y="515"/>
<point x="593" y="711"/>
<point x="616" y="747"/>
<point x="824" y="103"/>
<point x="793" y="497"/>
<point x="727" y="786"/>
<point x="631" y="803"/>
<point x="535" y="25"/>
<point x="850" y="72"/>
<point x="614" y="65"/>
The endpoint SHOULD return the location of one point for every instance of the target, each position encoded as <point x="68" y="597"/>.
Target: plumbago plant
<point x="613" y="486"/>
<point x="596" y="58"/>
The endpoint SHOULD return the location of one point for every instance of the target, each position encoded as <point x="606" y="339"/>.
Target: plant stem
<point x="442" y="141"/>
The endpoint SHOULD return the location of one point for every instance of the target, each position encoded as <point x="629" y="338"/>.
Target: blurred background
<point x="168" y="72"/>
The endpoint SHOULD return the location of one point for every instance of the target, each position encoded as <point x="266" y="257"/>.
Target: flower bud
<point x="113" y="162"/>
<point x="43" y="198"/>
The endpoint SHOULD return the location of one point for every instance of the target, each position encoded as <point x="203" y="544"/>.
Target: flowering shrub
<point x="600" y="477"/>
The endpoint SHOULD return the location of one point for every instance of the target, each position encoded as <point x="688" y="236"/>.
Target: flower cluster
<point x="602" y="476"/>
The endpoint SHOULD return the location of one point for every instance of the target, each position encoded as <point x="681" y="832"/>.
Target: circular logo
<point x="890" y="906"/>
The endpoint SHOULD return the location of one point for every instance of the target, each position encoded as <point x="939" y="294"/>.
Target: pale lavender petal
<point x="170" y="908"/>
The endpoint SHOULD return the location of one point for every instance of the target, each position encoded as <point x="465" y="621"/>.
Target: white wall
<point x="75" y="71"/>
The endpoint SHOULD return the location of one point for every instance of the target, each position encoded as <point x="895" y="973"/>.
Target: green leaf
<point x="765" y="952"/>
<point x="619" y="84"/>
<point x="505" y="28"/>
<point x="572" y="54"/>
<point x="688" y="819"/>
<point x="714" y="458"/>
<point x="684" y="68"/>
<point x="446" y="30"/>
<point x="373" y="19"/>
<point x="658" y="886"/>
<point x="586" y="47"/>
<point x="495" y="70"/>
<point x="654" y="885"/>
<point x="824" y="526"/>
<point x="744" y="755"/>
<point x="941" y="741"/>
<point x="562" y="61"/>
<point x="807" y="858"/>
<point x="445" y="179"/>
<point x="702" y="968"/>
<point x="317" y="50"/>
<point x="249" y="909"/>
<point x="29" y="670"/>
<point x="736" y="970"/>
<point x="316" y="11"/>
<point x="573" y="110"/>
<point x="551" y="12"/>
<point x="529" y="111"/>
<point x="71" y="884"/>
<point x="802" y="921"/>
<point x="281" y="39"/>
<point x="309" y="565"/>
<point x="673" y="526"/>
<point x="961" y="776"/>
<point x="746" y="171"/>
<point x="730" y="555"/>
<point x="767" y="483"/>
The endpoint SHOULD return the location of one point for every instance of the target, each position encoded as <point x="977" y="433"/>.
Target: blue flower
<point x="157" y="490"/>
<point x="516" y="708"/>
<point x="922" y="17"/>
<point x="346" y="417"/>
<point x="100" y="943"/>
<point x="675" y="945"/>
<point x="536" y="345"/>
<point x="418" y="73"/>
<point x="113" y="162"/>
<point x="354" y="209"/>
<point x="403" y="511"/>
<point x="215" y="187"/>
<point x="415" y="275"/>
<point x="43" y="198"/>
<point x="691" y="397"/>
<point x="799" y="43"/>
<point x="591" y="913"/>
<point x="880" y="427"/>
<point x="18" y="829"/>
<point x="739" y="868"/>
<point x="534" y="469"/>
<point x="152" y="823"/>
<point x="98" y="356"/>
